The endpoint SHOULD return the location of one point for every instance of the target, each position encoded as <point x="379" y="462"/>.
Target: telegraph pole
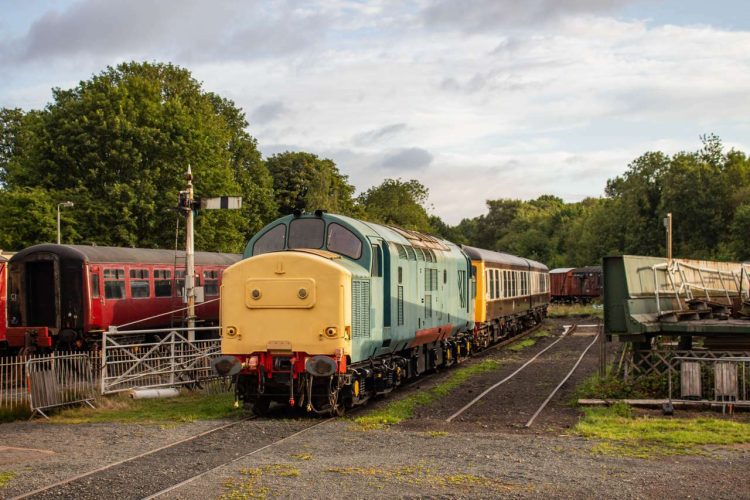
<point x="668" y="226"/>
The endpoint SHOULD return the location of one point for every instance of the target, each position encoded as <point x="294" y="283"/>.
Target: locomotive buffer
<point x="188" y="205"/>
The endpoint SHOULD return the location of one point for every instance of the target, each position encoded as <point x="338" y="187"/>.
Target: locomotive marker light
<point x="66" y="204"/>
<point x="188" y="204"/>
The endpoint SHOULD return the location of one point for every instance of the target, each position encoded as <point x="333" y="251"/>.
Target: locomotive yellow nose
<point x="294" y="301"/>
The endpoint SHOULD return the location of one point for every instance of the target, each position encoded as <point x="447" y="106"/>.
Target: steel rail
<point x="126" y="460"/>
<point x="498" y="384"/>
<point x="197" y="476"/>
<point x="554" y="391"/>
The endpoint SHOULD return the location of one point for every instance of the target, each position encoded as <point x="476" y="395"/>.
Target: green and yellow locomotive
<point x="326" y="311"/>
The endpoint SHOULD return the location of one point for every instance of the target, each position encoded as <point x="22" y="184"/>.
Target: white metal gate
<point x="60" y="380"/>
<point x="157" y="358"/>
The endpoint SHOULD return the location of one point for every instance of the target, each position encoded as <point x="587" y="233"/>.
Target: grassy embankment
<point x="621" y="433"/>
<point x="185" y="408"/>
<point x="575" y="310"/>
<point x="401" y="409"/>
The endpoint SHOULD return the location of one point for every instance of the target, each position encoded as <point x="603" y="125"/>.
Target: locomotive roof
<point x="127" y="255"/>
<point x="502" y="258"/>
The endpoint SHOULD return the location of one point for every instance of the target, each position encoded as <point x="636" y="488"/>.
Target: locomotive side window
<point x="139" y="286"/>
<point x="410" y="252"/>
<point x="400" y="275"/>
<point x="272" y="241"/>
<point x="162" y="283"/>
<point x="306" y="233"/>
<point x="114" y="283"/>
<point x="344" y="242"/>
<point x="94" y="286"/>
<point x="211" y="282"/>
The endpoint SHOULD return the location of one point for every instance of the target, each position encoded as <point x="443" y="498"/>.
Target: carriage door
<point x="380" y="303"/>
<point x="96" y="296"/>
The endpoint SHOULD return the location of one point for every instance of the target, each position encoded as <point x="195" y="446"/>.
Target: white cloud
<point x="508" y="110"/>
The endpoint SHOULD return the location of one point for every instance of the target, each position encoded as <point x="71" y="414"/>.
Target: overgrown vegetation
<point x="249" y="485"/>
<point x="185" y="408"/>
<point x="624" y="434"/>
<point x="6" y="477"/>
<point x="575" y="310"/>
<point x="394" y="412"/>
<point x="611" y="386"/>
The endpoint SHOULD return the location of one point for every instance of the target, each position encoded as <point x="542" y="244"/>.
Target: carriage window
<point x="179" y="277"/>
<point x="114" y="283"/>
<point x="492" y="284"/>
<point x="506" y="284"/>
<point x="306" y="233"/>
<point x="162" y="283"/>
<point x="94" y="286"/>
<point x="343" y="241"/>
<point x="211" y="282"/>
<point x="272" y="241"/>
<point x="139" y="286"/>
<point x="497" y="283"/>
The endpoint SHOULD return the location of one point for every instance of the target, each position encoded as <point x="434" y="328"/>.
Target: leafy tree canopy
<point x="118" y="146"/>
<point x="399" y="203"/>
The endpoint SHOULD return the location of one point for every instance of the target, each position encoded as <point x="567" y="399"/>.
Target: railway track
<point x="168" y="467"/>
<point x="567" y="333"/>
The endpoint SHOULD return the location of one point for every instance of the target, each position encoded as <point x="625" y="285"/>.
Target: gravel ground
<point x="484" y="454"/>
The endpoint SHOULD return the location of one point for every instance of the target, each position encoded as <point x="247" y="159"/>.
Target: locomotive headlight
<point x="255" y="294"/>
<point x="231" y="331"/>
<point x="302" y="293"/>
<point x="331" y="332"/>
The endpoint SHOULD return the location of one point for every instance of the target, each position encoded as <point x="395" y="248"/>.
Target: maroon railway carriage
<point x="3" y="269"/>
<point x="580" y="284"/>
<point x="64" y="295"/>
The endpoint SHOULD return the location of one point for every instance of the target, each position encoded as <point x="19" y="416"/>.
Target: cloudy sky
<point x="477" y="99"/>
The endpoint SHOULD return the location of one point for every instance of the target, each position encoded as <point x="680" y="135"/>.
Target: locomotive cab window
<point x="377" y="261"/>
<point x="272" y="241"/>
<point x="306" y="233"/>
<point x="162" y="283"/>
<point x="139" y="286"/>
<point x="114" y="283"/>
<point x="211" y="282"/>
<point x="343" y="242"/>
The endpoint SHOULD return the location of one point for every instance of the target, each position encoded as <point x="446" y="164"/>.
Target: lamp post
<point x="66" y="204"/>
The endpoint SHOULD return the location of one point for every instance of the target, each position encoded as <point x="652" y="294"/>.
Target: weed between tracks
<point x="624" y="434"/>
<point x="182" y="409"/>
<point x="521" y="345"/>
<point x="5" y="478"/>
<point x="249" y="487"/>
<point x="402" y="409"/>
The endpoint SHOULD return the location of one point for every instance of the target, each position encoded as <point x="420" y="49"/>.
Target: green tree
<point x="28" y="216"/>
<point x="399" y="203"/>
<point x="305" y="182"/>
<point x="118" y="146"/>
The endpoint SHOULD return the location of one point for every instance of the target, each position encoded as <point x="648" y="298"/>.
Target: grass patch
<point x="402" y="409"/>
<point x="302" y="456"/>
<point x="575" y="310"/>
<point x="521" y="345"/>
<point x="436" y="434"/>
<point x="623" y="434"/>
<point x="5" y="478"/>
<point x="541" y="334"/>
<point x="185" y="408"/>
<point x="13" y="414"/>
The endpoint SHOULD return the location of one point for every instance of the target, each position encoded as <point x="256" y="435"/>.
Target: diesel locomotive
<point x="326" y="311"/>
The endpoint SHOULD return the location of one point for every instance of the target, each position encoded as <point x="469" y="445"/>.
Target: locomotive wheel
<point x="260" y="407"/>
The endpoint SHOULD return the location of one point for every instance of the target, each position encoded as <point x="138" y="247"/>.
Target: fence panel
<point x="13" y="392"/>
<point x="157" y="358"/>
<point x="59" y="380"/>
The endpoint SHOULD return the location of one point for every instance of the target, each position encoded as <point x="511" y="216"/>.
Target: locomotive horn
<point x="226" y="365"/>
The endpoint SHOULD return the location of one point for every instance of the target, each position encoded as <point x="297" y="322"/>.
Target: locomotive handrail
<point x="113" y="329"/>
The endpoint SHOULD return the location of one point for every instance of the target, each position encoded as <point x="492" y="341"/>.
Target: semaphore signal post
<point x="188" y="205"/>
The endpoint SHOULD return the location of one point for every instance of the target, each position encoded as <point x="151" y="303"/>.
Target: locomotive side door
<point x="379" y="306"/>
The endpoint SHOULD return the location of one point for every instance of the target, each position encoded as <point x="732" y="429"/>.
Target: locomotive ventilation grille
<point x="360" y="309"/>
